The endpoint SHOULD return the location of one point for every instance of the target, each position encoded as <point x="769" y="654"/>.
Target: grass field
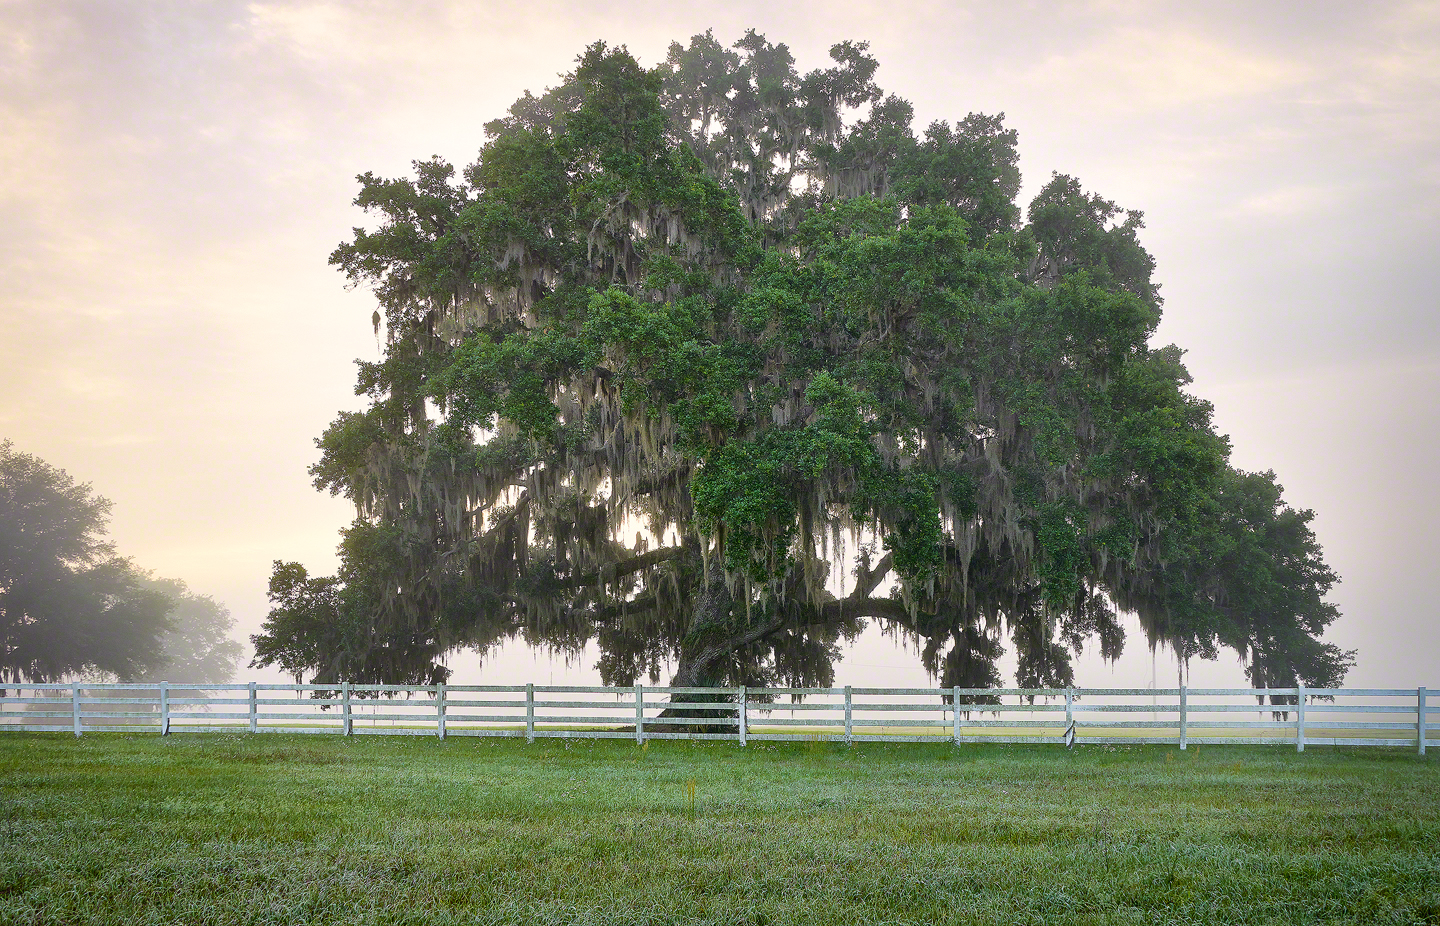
<point x="290" y="829"/>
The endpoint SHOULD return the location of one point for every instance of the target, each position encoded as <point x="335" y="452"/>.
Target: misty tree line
<point x="72" y="609"/>
<point x="709" y="364"/>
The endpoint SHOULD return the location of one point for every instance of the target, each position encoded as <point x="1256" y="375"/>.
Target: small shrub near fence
<point x="1174" y="716"/>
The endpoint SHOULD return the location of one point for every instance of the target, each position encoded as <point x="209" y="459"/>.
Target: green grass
<point x="291" y="829"/>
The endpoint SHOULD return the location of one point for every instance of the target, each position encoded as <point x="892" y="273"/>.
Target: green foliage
<point x="325" y="626"/>
<point x="304" y="623"/>
<point x="973" y="167"/>
<point x="197" y="647"/>
<point x="68" y="604"/>
<point x="713" y="306"/>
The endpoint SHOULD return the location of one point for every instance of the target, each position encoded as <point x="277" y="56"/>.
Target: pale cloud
<point x="1289" y="201"/>
<point x="317" y="32"/>
<point x="89" y="385"/>
<point x="17" y="53"/>
<point x="125" y="439"/>
<point x="403" y="44"/>
<point x="1397" y="82"/>
<point x="32" y="162"/>
<point x="1139" y="68"/>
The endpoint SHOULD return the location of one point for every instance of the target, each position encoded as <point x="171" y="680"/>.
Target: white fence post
<point x="254" y="710"/>
<point x="75" y="705"/>
<point x="1184" y="734"/>
<point x="1070" y="714"/>
<point x="744" y="719"/>
<point x="164" y="708"/>
<point x="849" y="726"/>
<point x="348" y="725"/>
<point x="440" y="711"/>
<point x="639" y="713"/>
<point x="955" y="712"/>
<point x="1299" y="717"/>
<point x="1421" y="733"/>
<point x="530" y="712"/>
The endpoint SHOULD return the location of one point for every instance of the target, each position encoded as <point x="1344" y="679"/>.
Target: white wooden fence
<point x="1175" y="716"/>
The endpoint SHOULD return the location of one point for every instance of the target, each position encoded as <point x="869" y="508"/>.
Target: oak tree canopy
<point x="713" y="362"/>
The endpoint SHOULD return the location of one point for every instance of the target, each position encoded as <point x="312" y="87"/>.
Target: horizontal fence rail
<point x="1176" y="716"/>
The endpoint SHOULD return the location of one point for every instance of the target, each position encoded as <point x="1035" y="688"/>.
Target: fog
<point x="174" y="176"/>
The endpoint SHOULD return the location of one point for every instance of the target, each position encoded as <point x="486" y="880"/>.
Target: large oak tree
<point x="710" y="363"/>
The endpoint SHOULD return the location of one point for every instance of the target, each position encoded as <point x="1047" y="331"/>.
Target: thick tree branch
<point x="888" y="608"/>
<point x="605" y="613"/>
<point x="612" y="571"/>
<point x="867" y="578"/>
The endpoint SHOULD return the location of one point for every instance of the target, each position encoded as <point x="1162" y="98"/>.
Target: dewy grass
<point x="289" y="829"/>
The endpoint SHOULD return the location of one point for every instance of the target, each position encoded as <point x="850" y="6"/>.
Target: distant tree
<point x="198" y="647"/>
<point x="321" y="627"/>
<point x="300" y="635"/>
<point x="68" y="604"/>
<point x="822" y="370"/>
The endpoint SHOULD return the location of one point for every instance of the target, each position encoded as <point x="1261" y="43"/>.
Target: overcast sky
<point x="173" y="176"/>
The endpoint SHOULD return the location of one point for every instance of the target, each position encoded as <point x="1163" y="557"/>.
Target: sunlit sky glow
<point x="173" y="177"/>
